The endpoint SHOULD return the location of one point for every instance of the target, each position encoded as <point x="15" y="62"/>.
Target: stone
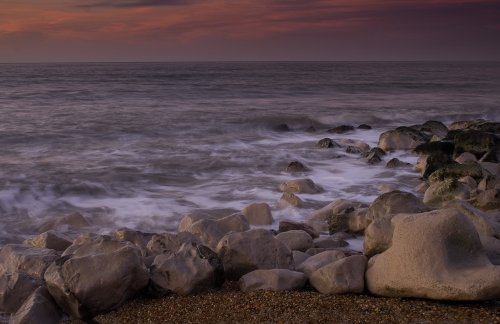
<point x="457" y="171"/>
<point x="441" y="192"/>
<point x="346" y="250"/>
<point x="435" y="127"/>
<point x="258" y="214"/>
<point x="484" y="146"/>
<point x="465" y="124"/>
<point x="243" y="252"/>
<point x="341" y="129"/>
<point x="487" y="200"/>
<point x="296" y="240"/>
<point x="488" y="182"/>
<point x="362" y="146"/>
<point x="465" y="157"/>
<point x="329" y="242"/>
<point x="422" y="187"/>
<point x="380" y="152"/>
<point x="282" y="128"/>
<point x="299" y="258"/>
<point x="273" y="279"/>
<point x="290" y="199"/>
<point x="364" y="126"/>
<point x="338" y="216"/>
<point x="15" y="288"/>
<point x="71" y="221"/>
<point x="327" y="143"/>
<point x="346" y="275"/>
<point x="24" y="258"/>
<point x="373" y="158"/>
<point x="319" y="260"/>
<point x="300" y="186"/>
<point x="296" y="166"/>
<point x="38" y="308"/>
<point x="50" y="240"/>
<point x="469" y="182"/>
<point x="490" y="168"/>
<point x="169" y="243"/>
<point x="96" y="276"/>
<point x="288" y="225"/>
<point x="436" y="255"/>
<point x="401" y="138"/>
<point x="192" y="268"/>
<point x="138" y="238"/>
<point x="353" y="150"/>
<point x="438" y="147"/>
<point x="435" y="162"/>
<point x="397" y="163"/>
<point x="196" y="215"/>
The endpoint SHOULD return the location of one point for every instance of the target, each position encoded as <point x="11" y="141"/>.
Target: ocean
<point x="139" y="145"/>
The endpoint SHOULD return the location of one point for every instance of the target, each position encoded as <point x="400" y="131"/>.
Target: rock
<point x="72" y="221"/>
<point x="457" y="171"/>
<point x="469" y="182"/>
<point x="362" y="146"/>
<point x="15" y="288"/>
<point x="487" y="200"/>
<point x="196" y="215"/>
<point x="192" y="268"/>
<point x="397" y="163"/>
<point x="138" y="238"/>
<point x="296" y="166"/>
<point x="38" y="308"/>
<point x="373" y="158"/>
<point x="353" y="150"/>
<point x="435" y="162"/>
<point x="401" y="138"/>
<point x="319" y="260"/>
<point x="311" y="129"/>
<point x="338" y="216"/>
<point x="282" y="128"/>
<point x="465" y="124"/>
<point x="436" y="255"/>
<point x="490" y="168"/>
<point x="438" y="147"/>
<point x="422" y="187"/>
<point x="96" y="276"/>
<point x="290" y="199"/>
<point x="300" y="186"/>
<point x="327" y="143"/>
<point x="488" y="182"/>
<point x="341" y="129"/>
<point x="258" y="214"/>
<point x="296" y="240"/>
<point x="273" y="279"/>
<point x="380" y="152"/>
<point x="210" y="231"/>
<point x="329" y="242"/>
<point x="288" y="225"/>
<point x="441" y="192"/>
<point x="50" y="240"/>
<point x="484" y="146"/>
<point x="299" y="258"/>
<point x="386" y="187"/>
<point x="251" y="250"/>
<point x="170" y="243"/>
<point x="27" y="259"/>
<point x="364" y="126"/>
<point x="347" y="251"/>
<point x="435" y="128"/>
<point x="346" y="275"/>
<point x="466" y="157"/>
<point x="489" y="127"/>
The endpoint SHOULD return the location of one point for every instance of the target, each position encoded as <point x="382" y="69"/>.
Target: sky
<point x="248" y="30"/>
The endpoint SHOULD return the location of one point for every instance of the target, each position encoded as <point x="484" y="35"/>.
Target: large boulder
<point x="192" y="268"/>
<point x="251" y="250"/>
<point x="258" y="214"/>
<point x="289" y="225"/>
<point x="434" y="127"/>
<point x="457" y="171"/>
<point x="338" y="216"/>
<point x="319" y="260"/>
<point x="96" y="276"/>
<point x="346" y="275"/>
<point x="169" y="243"/>
<point x="438" y="147"/>
<point x="289" y="199"/>
<point x="437" y="255"/>
<point x="38" y="308"/>
<point x="296" y="240"/>
<point x="433" y="162"/>
<point x="401" y="138"/>
<point x="50" y="240"/>
<point x="15" y="287"/>
<point x="485" y="146"/>
<point x="138" y="238"/>
<point x="300" y="186"/>
<point x="197" y="214"/>
<point x="273" y="279"/>
<point x="442" y="192"/>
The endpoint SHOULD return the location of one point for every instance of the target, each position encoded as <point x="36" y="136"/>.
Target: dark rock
<point x="376" y="150"/>
<point x="288" y="225"/>
<point x="169" y="243"/>
<point x="490" y="127"/>
<point x="434" y="128"/>
<point x="435" y="147"/>
<point x="327" y="143"/>
<point x="282" y="128"/>
<point x="401" y="138"/>
<point x="339" y="222"/>
<point x="435" y="162"/>
<point x="329" y="242"/>
<point x="40" y="307"/>
<point x="296" y="166"/>
<point x="353" y="150"/>
<point x="341" y="129"/>
<point x="457" y="171"/>
<point x="364" y="126"/>
<point x="373" y="158"/>
<point x="397" y="163"/>
<point x="485" y="146"/>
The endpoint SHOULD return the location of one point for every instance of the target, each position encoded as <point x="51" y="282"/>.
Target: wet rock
<point x="435" y="162"/>
<point x="364" y="126"/>
<point x="377" y="150"/>
<point x="50" y="240"/>
<point x="422" y="187"/>
<point x="441" y="192"/>
<point x="273" y="279"/>
<point x="488" y="182"/>
<point x="341" y="129"/>
<point x="288" y="225"/>
<point x="347" y="251"/>
<point x="466" y="157"/>
<point x="485" y="146"/>
<point x="373" y="158"/>
<point x="258" y="214"/>
<point x="96" y="276"/>
<point x="401" y="138"/>
<point x="38" y="308"/>
<point x="138" y="238"/>
<point x="435" y="128"/>
<point x="296" y="240"/>
<point x="327" y="143"/>
<point x="15" y="288"/>
<point x="196" y="215"/>
<point x="72" y="221"/>
<point x="489" y="127"/>
<point x="300" y="186"/>
<point x="454" y="265"/>
<point x="439" y="147"/>
<point x="465" y="124"/>
<point x="290" y="199"/>
<point x="319" y="260"/>
<point x="168" y="243"/>
<point x="487" y="200"/>
<point x="353" y="150"/>
<point x="397" y="163"/>
<point x="457" y="171"/>
<point x="349" y="142"/>
<point x="23" y="258"/>
<point x="346" y="275"/>
<point x="296" y="166"/>
<point x="192" y="268"/>
<point x="251" y="250"/>
<point x="329" y="242"/>
<point x="338" y="216"/>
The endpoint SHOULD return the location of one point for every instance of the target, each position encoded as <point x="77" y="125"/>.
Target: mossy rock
<point x="435" y="162"/>
<point x="457" y="171"/>
<point x="341" y="129"/>
<point x="435" y="147"/>
<point x="327" y="143"/>
<point x="483" y="145"/>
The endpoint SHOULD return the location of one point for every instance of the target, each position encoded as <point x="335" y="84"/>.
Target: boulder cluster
<point x="443" y="242"/>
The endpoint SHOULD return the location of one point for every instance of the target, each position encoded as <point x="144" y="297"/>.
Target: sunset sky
<point x="201" y="30"/>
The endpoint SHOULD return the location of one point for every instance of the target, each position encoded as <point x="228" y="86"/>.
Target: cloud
<point x="137" y="3"/>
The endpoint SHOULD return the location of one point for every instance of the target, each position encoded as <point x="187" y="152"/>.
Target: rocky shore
<point x="434" y="251"/>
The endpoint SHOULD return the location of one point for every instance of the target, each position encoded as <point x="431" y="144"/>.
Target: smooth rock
<point x="273" y="279"/>
<point x="360" y="145"/>
<point x="487" y="200"/>
<point x="40" y="307"/>
<point x="289" y="199"/>
<point x="138" y="238"/>
<point x="170" y="243"/>
<point x="397" y="163"/>
<point x="15" y="288"/>
<point x="327" y="143"/>
<point x="329" y="242"/>
<point x="258" y="214"/>
<point x="300" y="186"/>
<point x="319" y="260"/>
<point x="440" y="193"/>
<point x="346" y="275"/>
<point x="299" y="258"/>
<point x="288" y="225"/>
<point x="71" y="221"/>
<point x="296" y="166"/>
<point x="341" y="129"/>
<point x="401" y="138"/>
<point x="255" y="249"/>
<point x="436" y="255"/>
<point x="338" y="216"/>
<point x="465" y="157"/>
<point x="50" y="240"/>
<point x="296" y="240"/>
<point x="435" y="127"/>
<point x="30" y="260"/>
